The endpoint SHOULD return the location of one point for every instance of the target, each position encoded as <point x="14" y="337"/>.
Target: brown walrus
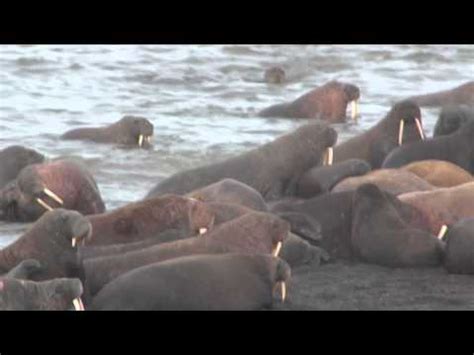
<point x="443" y="206"/>
<point x="439" y="173"/>
<point x="13" y="159"/>
<point x="198" y="282"/>
<point x="401" y="125"/>
<point x="463" y="94"/>
<point x="274" y="75"/>
<point x="145" y="219"/>
<point x="130" y="130"/>
<point x="395" y="181"/>
<point x="271" y="169"/>
<point x="451" y="118"/>
<point x="25" y="270"/>
<point x="327" y="102"/>
<point x="42" y="187"/>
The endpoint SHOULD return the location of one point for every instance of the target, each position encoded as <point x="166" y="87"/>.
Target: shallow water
<point x="202" y="99"/>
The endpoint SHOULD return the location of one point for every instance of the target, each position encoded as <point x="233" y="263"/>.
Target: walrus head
<point x="16" y="157"/>
<point x="135" y="131"/>
<point x="452" y="118"/>
<point x="274" y="75"/>
<point x="352" y="96"/>
<point x="25" y="270"/>
<point x="407" y="116"/>
<point x="281" y="277"/>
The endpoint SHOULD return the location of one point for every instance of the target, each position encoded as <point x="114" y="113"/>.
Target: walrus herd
<point x="230" y="235"/>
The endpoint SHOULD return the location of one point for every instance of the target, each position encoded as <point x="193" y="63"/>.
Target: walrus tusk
<point x="78" y="305"/>
<point x="442" y="231"/>
<point x="420" y="128"/>
<point x="283" y="291"/>
<point x="148" y="139"/>
<point x="140" y="140"/>
<point x="277" y="249"/>
<point x="44" y="204"/>
<point x="53" y="196"/>
<point x="400" y="132"/>
<point x="355" y="110"/>
<point x="74" y="242"/>
<point x="328" y="156"/>
<point x="202" y="231"/>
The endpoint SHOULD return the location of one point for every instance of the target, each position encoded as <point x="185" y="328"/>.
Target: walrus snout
<point x="81" y="231"/>
<point x="282" y="276"/>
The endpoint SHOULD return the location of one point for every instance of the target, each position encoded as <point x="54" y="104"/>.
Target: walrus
<point x="457" y="148"/>
<point x="58" y="294"/>
<point x="381" y="236"/>
<point x="52" y="241"/>
<point x="254" y="233"/>
<point x="145" y="219"/>
<point x="274" y="75"/>
<point x="451" y="118"/>
<point x="439" y="173"/>
<point x="459" y="257"/>
<point x="231" y="191"/>
<point x="130" y="131"/>
<point x="401" y="125"/>
<point x="271" y="169"/>
<point x="297" y="251"/>
<point x="443" y="206"/>
<point x="25" y="270"/>
<point x="327" y="102"/>
<point x="198" y="282"/>
<point x="13" y="159"/>
<point x="395" y="181"/>
<point x="322" y="179"/>
<point x="463" y="94"/>
<point x="43" y="187"/>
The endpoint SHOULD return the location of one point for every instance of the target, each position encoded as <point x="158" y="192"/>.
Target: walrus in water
<point x="459" y="258"/>
<point x="13" y="159"/>
<point x="52" y="241"/>
<point x="401" y="125"/>
<point x="328" y="102"/>
<point x="322" y="179"/>
<point x="275" y="75"/>
<point x="395" y="181"/>
<point x="381" y="236"/>
<point x="198" y="282"/>
<point x="253" y="233"/>
<point x="130" y="131"/>
<point x="451" y="118"/>
<point x="58" y="294"/>
<point x="457" y="148"/>
<point x="145" y="219"/>
<point x="443" y="206"/>
<point x="271" y="169"/>
<point x="231" y="191"/>
<point x="439" y="173"/>
<point x="43" y="187"/>
<point x="463" y="94"/>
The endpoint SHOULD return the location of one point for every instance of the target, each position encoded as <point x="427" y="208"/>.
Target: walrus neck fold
<point x="8" y="259"/>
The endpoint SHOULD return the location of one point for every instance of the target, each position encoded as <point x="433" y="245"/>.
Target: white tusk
<point x="277" y="249"/>
<point x="44" y="204"/>
<point x="148" y="139"/>
<point x="140" y="140"/>
<point x="74" y="242"/>
<point x="442" y="231"/>
<point x="355" y="110"/>
<point x="202" y="231"/>
<point x="283" y="291"/>
<point x="400" y="132"/>
<point x="329" y="156"/>
<point x="420" y="128"/>
<point x="53" y="196"/>
<point x="78" y="305"/>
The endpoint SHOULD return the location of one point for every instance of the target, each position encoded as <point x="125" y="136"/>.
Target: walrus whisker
<point x="78" y="305"/>
<point x="140" y="140"/>
<point x="44" y="204"/>
<point x="442" y="232"/>
<point x="53" y="196"/>
<point x="277" y="249"/>
<point x="420" y="128"/>
<point x="400" y="132"/>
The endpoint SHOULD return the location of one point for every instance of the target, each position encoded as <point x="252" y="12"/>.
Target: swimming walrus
<point x="327" y="102"/>
<point x="462" y="94"/>
<point x="130" y="130"/>
<point x="198" y="282"/>
<point x="439" y="173"/>
<point x="380" y="235"/>
<point x="401" y="125"/>
<point x="459" y="258"/>
<point x="271" y="169"/>
<point x="13" y="159"/>
<point x="275" y="75"/>
<point x="451" y="118"/>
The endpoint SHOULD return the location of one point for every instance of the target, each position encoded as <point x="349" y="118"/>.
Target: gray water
<point x="202" y="99"/>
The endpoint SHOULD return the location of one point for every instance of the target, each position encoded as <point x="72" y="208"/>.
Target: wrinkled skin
<point x="459" y="258"/>
<point x="253" y="233"/>
<point x="380" y="235"/>
<point x="376" y="143"/>
<point x="439" y="173"/>
<point x="127" y="132"/>
<point x="146" y="219"/>
<point x="21" y="295"/>
<point x="201" y="282"/>
<point x="70" y="181"/>
<point x="463" y="94"/>
<point x="271" y="169"/>
<point x="49" y="241"/>
<point x="323" y="178"/>
<point x="457" y="148"/>
<point x="297" y="251"/>
<point x="13" y="159"/>
<point x="451" y="118"/>
<point x="25" y="270"/>
<point x="327" y="102"/>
